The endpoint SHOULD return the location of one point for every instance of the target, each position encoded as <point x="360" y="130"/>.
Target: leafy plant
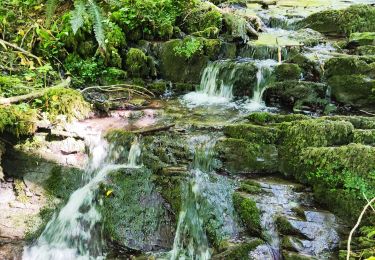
<point x="188" y="48"/>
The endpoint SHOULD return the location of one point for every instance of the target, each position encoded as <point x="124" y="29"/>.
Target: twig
<point x="2" y="42"/>
<point x="356" y="226"/>
<point x="367" y="113"/>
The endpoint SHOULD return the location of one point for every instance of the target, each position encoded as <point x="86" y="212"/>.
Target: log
<point x="38" y="93"/>
<point x="152" y="130"/>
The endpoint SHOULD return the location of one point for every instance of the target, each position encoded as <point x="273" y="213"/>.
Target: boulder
<point x="288" y="71"/>
<point x="361" y="39"/>
<point x="356" y="18"/>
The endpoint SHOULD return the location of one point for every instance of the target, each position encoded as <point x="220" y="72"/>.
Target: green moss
<point x="209" y="33"/>
<point x="18" y="120"/>
<point x="19" y="187"/>
<point x="170" y="190"/>
<point x="295" y="256"/>
<point x="64" y="101"/>
<point x="212" y="48"/>
<point x="201" y="18"/>
<point x="366" y="50"/>
<point x="248" y="213"/>
<point x="252" y="133"/>
<point x="189" y="48"/>
<point x="364" y="38"/>
<point x="120" y="138"/>
<point x="364" y="136"/>
<point x="288" y="71"/>
<point x="249" y="188"/>
<point x="262" y="118"/>
<point x="356" y="18"/>
<point x="240" y="251"/>
<point x="346" y="65"/>
<point x="285" y="228"/>
<point x="137" y="63"/>
<point x="359" y="122"/>
<point x="63" y="182"/>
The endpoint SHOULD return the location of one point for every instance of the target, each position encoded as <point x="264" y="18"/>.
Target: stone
<point x="361" y="39"/>
<point x="287" y="71"/>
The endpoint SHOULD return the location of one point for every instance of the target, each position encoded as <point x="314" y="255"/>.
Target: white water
<point x="74" y="233"/>
<point x="212" y="91"/>
<point x="264" y="74"/>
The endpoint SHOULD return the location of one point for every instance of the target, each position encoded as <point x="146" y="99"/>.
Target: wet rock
<point x="248" y="213"/>
<point x="2" y="151"/>
<point x="240" y="156"/>
<point x="295" y="256"/>
<point x="144" y="222"/>
<point x="311" y="69"/>
<point x="356" y="18"/>
<point x="285" y="228"/>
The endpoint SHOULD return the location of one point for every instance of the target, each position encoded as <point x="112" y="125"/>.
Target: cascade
<point x="213" y="90"/>
<point x="202" y="197"/>
<point x="74" y="233"/>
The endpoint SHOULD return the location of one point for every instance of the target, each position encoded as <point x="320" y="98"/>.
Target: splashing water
<point x="75" y="233"/>
<point x="264" y="78"/>
<point x="212" y="90"/>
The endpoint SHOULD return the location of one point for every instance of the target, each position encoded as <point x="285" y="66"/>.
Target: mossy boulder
<point x="311" y="68"/>
<point x="18" y="120"/>
<point x="348" y="65"/>
<point x="265" y="118"/>
<point x="138" y="64"/>
<point x="201" y="18"/>
<point x="284" y="227"/>
<point x="240" y="156"/>
<point x="297" y="95"/>
<point x="354" y="90"/>
<point x="361" y="136"/>
<point x="361" y="39"/>
<point x="248" y="212"/>
<point x="287" y="71"/>
<point x="366" y="50"/>
<point x="142" y="223"/>
<point x="176" y="68"/>
<point x="356" y="18"/>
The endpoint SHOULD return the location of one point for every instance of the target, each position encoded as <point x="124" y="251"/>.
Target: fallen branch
<point x="27" y="53"/>
<point x="38" y="93"/>
<point x="134" y="89"/>
<point x="356" y="226"/>
<point x="153" y="129"/>
<point x="367" y="113"/>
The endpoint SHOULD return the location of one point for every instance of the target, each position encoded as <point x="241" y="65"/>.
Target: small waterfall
<point x="75" y="233"/>
<point x="202" y="198"/>
<point x="264" y="77"/>
<point x="212" y="89"/>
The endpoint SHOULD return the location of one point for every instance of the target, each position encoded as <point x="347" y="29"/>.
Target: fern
<point x="51" y="7"/>
<point x="77" y="18"/>
<point x="97" y="18"/>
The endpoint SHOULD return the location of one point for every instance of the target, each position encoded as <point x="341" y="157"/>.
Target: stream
<point x="75" y="232"/>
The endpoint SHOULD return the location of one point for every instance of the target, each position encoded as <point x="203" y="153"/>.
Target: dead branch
<point x="27" y="53"/>
<point x="356" y="226"/>
<point x="38" y="93"/>
<point x="152" y="130"/>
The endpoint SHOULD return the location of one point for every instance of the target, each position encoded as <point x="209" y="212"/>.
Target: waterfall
<point x="74" y="233"/>
<point x="264" y="77"/>
<point x="203" y="198"/>
<point x="212" y="89"/>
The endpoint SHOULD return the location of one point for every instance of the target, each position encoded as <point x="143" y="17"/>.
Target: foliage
<point x="189" y="47"/>
<point x="137" y="63"/>
<point x="84" y="70"/>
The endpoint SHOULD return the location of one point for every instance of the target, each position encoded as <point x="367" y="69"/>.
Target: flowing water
<point x="205" y="194"/>
<point x="75" y="232"/>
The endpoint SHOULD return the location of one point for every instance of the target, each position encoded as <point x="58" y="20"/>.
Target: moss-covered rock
<point x="354" y="90"/>
<point x="263" y="118"/>
<point x="366" y="50"/>
<point x="201" y="18"/>
<point x="356" y="18"/>
<point x="288" y="71"/>
<point x="347" y="65"/>
<point x="138" y="64"/>
<point x="248" y="213"/>
<point x="361" y="39"/>
<point x="176" y="68"/>
<point x="311" y="68"/>
<point x="359" y="122"/>
<point x="252" y="133"/>
<point x="239" y="251"/>
<point x="240" y="156"/>
<point x="297" y="95"/>
<point x="287" y="255"/>
<point x="364" y="136"/>
<point x="143" y="222"/>
<point x="64" y="101"/>
<point x="18" y="120"/>
<point x="284" y="227"/>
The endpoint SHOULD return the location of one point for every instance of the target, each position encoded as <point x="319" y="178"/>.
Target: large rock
<point x="356" y="18"/>
<point x="176" y="68"/>
<point x="361" y="39"/>
<point x="352" y="81"/>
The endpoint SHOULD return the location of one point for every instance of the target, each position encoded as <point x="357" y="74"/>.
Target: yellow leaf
<point x="28" y="78"/>
<point x="55" y="98"/>
<point x="371" y="258"/>
<point x="109" y="192"/>
<point x="21" y="32"/>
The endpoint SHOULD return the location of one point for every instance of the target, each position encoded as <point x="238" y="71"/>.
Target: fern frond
<point x="78" y="13"/>
<point x="98" y="22"/>
<point x="51" y="7"/>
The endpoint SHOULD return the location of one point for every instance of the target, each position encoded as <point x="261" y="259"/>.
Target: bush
<point x="18" y="119"/>
<point x="189" y="47"/>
